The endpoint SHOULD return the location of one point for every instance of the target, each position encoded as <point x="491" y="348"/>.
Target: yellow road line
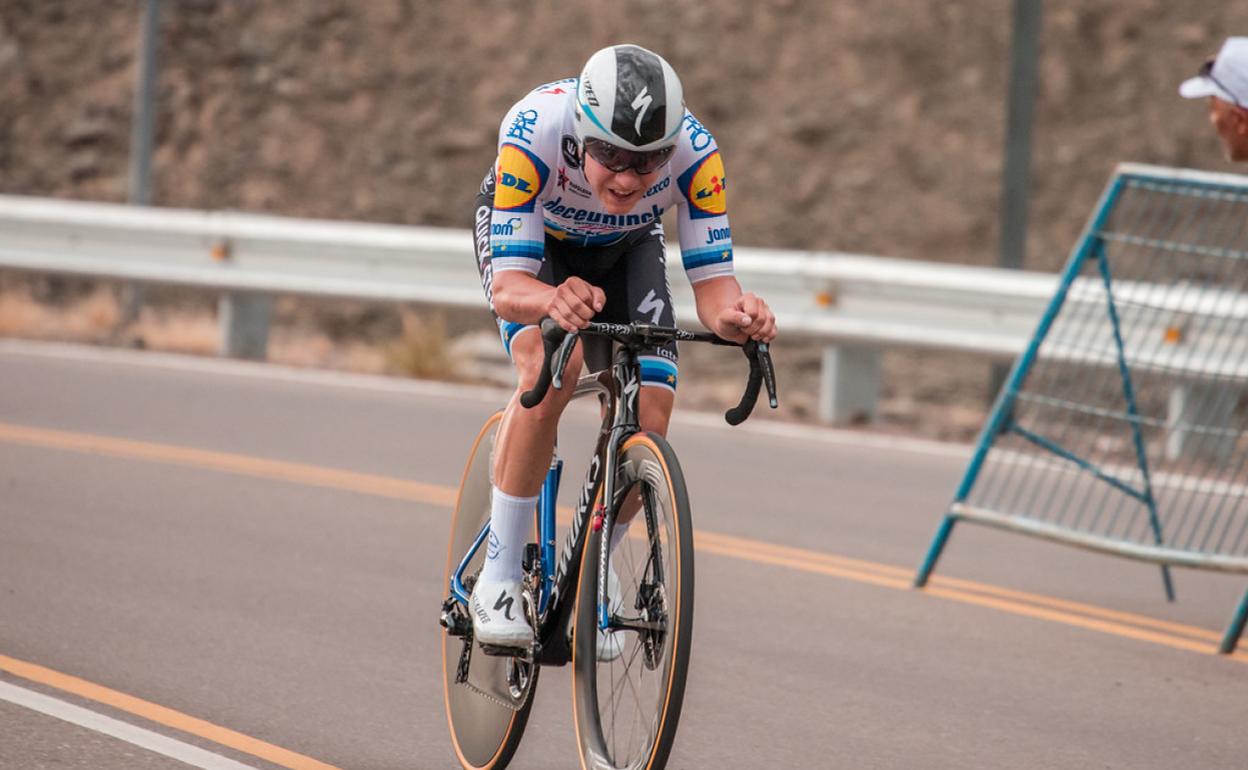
<point x="258" y="467"/>
<point x="161" y="715"/>
<point x="1125" y="624"/>
<point x="788" y="555"/>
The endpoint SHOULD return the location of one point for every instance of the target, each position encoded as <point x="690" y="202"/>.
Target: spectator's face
<point x="1231" y="123"/>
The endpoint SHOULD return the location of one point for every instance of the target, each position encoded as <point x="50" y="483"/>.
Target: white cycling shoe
<point x="498" y="617"/>
<point x="611" y="643"/>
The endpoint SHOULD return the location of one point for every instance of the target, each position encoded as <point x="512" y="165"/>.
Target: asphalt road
<point x="248" y="560"/>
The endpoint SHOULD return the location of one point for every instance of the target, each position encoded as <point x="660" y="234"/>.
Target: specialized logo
<point x="590" y="96"/>
<point x="505" y="604"/>
<point x="651" y="304"/>
<point x="704" y="186"/>
<point x="510" y="227"/>
<point x="714" y="234"/>
<point x="641" y="104"/>
<point x="571" y="151"/>
<point x="520" y="176"/>
<point x="522" y="125"/>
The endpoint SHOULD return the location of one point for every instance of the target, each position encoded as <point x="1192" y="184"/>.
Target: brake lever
<point x="769" y="373"/>
<point x="560" y="360"/>
<point x="552" y="340"/>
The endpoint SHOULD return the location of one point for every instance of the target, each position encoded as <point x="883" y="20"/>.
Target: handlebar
<point x="557" y="345"/>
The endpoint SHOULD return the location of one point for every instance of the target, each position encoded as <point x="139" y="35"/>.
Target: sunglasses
<point x="1206" y="71"/>
<point x="618" y="160"/>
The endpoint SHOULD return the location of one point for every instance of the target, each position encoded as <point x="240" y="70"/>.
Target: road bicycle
<point x="626" y="706"/>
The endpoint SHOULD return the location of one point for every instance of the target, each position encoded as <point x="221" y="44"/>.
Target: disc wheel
<point x="627" y="708"/>
<point x="487" y="714"/>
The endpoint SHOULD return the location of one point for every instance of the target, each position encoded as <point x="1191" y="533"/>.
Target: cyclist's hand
<point x="748" y="317"/>
<point x="575" y="303"/>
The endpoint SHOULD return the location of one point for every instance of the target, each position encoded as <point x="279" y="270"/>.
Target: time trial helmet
<point x="629" y="108"/>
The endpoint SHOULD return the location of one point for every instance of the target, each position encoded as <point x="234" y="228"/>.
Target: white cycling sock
<point x="511" y="521"/>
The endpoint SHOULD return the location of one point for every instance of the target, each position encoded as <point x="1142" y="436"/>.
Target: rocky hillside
<point x="873" y="127"/>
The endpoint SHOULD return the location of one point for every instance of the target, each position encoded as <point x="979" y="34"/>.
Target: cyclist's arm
<point x="520" y="297"/>
<point x="732" y="314"/>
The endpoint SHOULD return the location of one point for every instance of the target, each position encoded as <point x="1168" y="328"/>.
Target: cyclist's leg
<point x="641" y="293"/>
<point x="522" y="453"/>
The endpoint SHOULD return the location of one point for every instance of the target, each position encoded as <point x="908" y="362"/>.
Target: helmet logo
<point x="590" y="96"/>
<point x="641" y="104"/>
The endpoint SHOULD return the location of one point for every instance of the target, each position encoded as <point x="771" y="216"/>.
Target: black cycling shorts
<point x="632" y="273"/>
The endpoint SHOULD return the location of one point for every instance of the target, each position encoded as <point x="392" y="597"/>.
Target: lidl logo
<point x="521" y="176"/>
<point x="705" y="186"/>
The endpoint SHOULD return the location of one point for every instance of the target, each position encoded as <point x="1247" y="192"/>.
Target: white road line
<point x="160" y="744"/>
<point x="427" y="389"/>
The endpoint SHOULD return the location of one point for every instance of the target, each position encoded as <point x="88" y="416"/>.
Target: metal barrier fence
<point x="1122" y="426"/>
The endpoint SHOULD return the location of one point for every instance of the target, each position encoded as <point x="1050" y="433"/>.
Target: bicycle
<point x="488" y="697"/>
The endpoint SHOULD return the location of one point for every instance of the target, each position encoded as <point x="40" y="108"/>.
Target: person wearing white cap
<point x="1224" y="79"/>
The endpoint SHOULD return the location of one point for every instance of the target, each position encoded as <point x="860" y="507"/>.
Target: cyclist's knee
<point x="527" y="356"/>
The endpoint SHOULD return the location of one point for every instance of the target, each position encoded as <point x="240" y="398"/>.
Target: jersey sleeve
<point x="517" y="238"/>
<point x="702" y="216"/>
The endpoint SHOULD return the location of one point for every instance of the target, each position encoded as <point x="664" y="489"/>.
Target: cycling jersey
<point x="541" y="190"/>
<point x="631" y="273"/>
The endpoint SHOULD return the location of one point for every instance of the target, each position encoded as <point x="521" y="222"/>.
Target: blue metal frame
<point x="999" y="421"/>
<point x="458" y="588"/>
<point x="1002" y="409"/>
<point x="1128" y="392"/>
<point x="546" y="531"/>
<point x="546" y="536"/>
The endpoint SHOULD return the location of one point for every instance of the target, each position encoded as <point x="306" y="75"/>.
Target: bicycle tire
<point x="484" y="732"/>
<point x="646" y="461"/>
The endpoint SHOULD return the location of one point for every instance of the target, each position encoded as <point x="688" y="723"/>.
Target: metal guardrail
<point x="855" y="304"/>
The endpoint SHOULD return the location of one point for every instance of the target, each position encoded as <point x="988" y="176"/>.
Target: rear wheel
<point x="487" y="713"/>
<point x="627" y="708"/>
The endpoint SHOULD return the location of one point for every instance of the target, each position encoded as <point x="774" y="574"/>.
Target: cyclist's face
<point x="620" y="192"/>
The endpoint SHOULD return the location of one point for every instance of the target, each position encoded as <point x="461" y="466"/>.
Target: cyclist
<point x="568" y="225"/>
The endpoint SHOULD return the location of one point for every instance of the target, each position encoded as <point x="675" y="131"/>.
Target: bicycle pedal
<point x="524" y="653"/>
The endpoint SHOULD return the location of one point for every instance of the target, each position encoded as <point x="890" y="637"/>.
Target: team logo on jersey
<point x="699" y="137"/>
<point x="704" y="185"/>
<point x="659" y="187"/>
<point x="525" y="123"/>
<point x="571" y="151"/>
<point x="519" y="177"/>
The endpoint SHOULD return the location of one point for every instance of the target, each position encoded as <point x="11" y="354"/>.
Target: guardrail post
<point x="849" y="387"/>
<point x="1194" y="403"/>
<point x="244" y="324"/>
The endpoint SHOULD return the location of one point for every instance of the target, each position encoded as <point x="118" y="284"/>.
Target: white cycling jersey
<point x="541" y="189"/>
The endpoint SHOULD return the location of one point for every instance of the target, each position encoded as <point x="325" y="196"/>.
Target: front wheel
<point x="488" y="711"/>
<point x="627" y="704"/>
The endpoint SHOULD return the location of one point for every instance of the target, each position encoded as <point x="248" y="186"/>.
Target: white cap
<point x="1227" y="79"/>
